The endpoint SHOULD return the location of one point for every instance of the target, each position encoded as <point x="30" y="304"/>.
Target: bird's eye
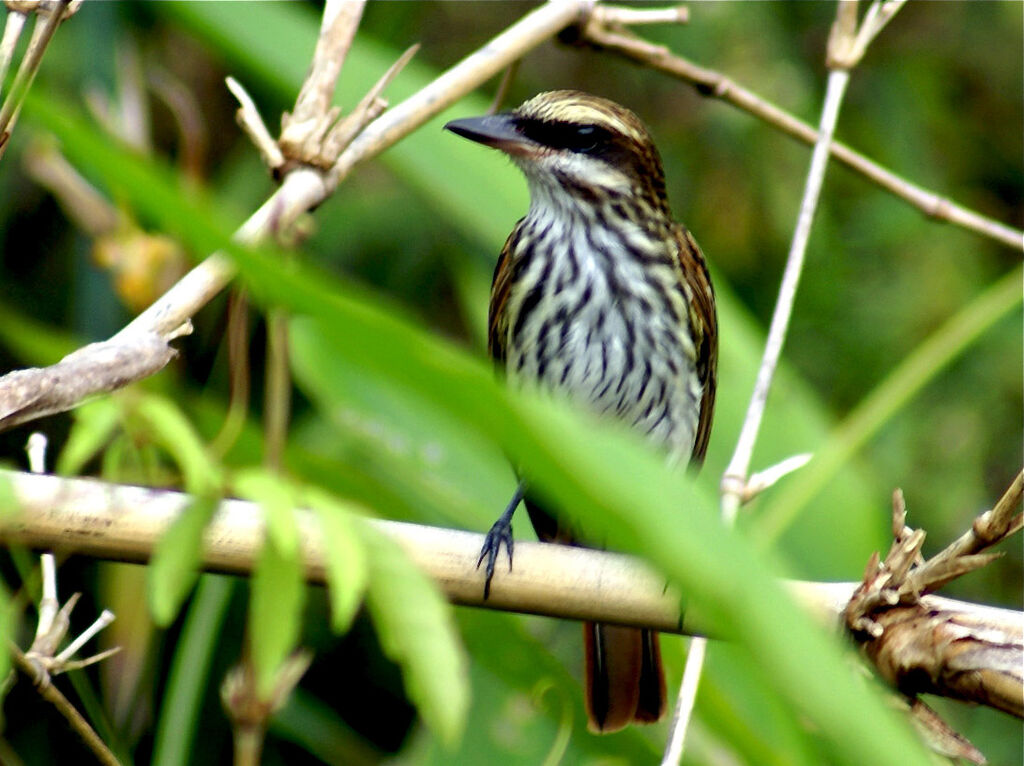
<point x="583" y="139"/>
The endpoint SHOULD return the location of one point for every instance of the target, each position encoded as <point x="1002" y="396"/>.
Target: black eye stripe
<point x="565" y="135"/>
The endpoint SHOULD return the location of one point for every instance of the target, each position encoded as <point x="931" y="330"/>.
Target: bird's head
<point x="569" y="142"/>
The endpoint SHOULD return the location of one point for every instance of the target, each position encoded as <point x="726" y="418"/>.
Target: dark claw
<point x="500" y="533"/>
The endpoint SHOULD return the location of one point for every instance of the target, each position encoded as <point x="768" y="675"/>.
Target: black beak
<point x="497" y="130"/>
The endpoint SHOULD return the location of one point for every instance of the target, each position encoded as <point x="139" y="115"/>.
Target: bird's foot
<point x="498" y="535"/>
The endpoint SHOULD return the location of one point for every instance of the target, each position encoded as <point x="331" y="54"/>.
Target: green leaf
<point x="169" y="426"/>
<point x="455" y="469"/>
<point x="278" y="500"/>
<point x="913" y="373"/>
<point x="344" y="555"/>
<point x="175" y="563"/>
<point x="416" y="630"/>
<point x="95" y="423"/>
<point x="625" y="493"/>
<point x="194" y="651"/>
<point x="275" y="612"/>
<point x="8" y="621"/>
<point x="594" y="472"/>
<point x="319" y="729"/>
<point x="33" y="342"/>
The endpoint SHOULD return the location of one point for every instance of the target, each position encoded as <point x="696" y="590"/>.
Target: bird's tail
<point x="624" y="679"/>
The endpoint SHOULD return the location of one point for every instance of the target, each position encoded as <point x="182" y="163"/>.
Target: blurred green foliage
<point x="415" y="233"/>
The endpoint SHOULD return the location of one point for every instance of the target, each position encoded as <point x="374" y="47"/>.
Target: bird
<point x="600" y="297"/>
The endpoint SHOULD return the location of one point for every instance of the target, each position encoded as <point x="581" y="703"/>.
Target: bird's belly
<point x="620" y="363"/>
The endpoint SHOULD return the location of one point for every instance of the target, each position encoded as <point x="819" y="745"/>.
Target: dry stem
<point x="735" y="484"/>
<point x="920" y="649"/>
<point x="107" y="364"/>
<point x="75" y="720"/>
<point x="711" y="83"/>
<point x="124" y="523"/>
<point x="51" y="15"/>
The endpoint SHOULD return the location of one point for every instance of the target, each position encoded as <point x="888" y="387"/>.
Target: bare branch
<point x="337" y="30"/>
<point x="40" y="663"/>
<point x="476" y="68"/>
<point x="711" y="83"/>
<point x="124" y="523"/>
<point x="51" y="14"/>
<point x="75" y="720"/>
<point x="97" y="368"/>
<point x="919" y="648"/>
<point x="302" y="189"/>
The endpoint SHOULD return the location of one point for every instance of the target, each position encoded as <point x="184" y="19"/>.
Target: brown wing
<point x="705" y="334"/>
<point x="500" y="287"/>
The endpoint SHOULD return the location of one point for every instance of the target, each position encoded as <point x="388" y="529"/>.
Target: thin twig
<point x="13" y="27"/>
<point x="734" y="480"/>
<point x="478" y="67"/>
<point x="42" y="33"/>
<point x="989" y="529"/>
<point x="612" y="14"/>
<point x="35" y="448"/>
<point x="249" y="119"/>
<point x="302" y="189"/>
<point x="734" y="484"/>
<point x="714" y="84"/>
<point x="75" y="720"/>
<point x="685" y="702"/>
<point x="772" y="475"/>
<point x="277" y="397"/>
<point x="501" y="92"/>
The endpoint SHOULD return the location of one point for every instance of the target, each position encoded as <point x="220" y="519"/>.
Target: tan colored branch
<point x="926" y="649"/>
<point x="303" y="188"/>
<point x="123" y="523"/>
<point x="97" y="368"/>
<point x="708" y="82"/>
<point x="50" y="13"/>
<point x="920" y="648"/>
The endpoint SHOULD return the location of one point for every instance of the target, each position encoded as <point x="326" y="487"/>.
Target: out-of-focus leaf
<point x="347" y="568"/>
<point x="95" y="422"/>
<point x="8" y="620"/>
<point x="599" y="474"/>
<point x="190" y="671"/>
<point x="278" y="501"/>
<point x="175" y="563"/>
<point x="173" y="431"/>
<point x="466" y="473"/>
<point x="34" y="342"/>
<point x="275" y="611"/>
<point x="416" y="630"/>
<point x="313" y="725"/>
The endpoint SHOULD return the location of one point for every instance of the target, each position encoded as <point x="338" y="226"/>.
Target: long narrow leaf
<point x="617" y="484"/>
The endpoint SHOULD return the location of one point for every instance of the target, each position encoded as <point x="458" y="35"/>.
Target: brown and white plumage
<point x="600" y="296"/>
